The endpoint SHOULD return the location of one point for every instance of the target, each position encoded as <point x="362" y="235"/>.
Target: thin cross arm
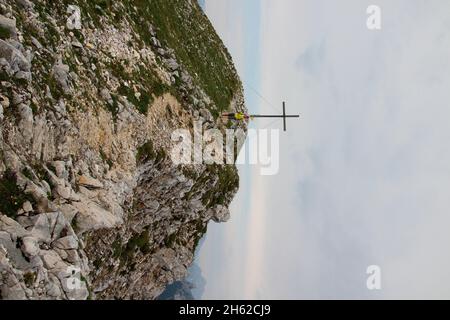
<point x="273" y="116"/>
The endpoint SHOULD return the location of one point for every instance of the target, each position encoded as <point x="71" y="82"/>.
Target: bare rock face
<point x="8" y="26"/>
<point x="91" y="205"/>
<point x="61" y="75"/>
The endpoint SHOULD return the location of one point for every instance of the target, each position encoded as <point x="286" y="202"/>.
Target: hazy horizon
<point x="365" y="173"/>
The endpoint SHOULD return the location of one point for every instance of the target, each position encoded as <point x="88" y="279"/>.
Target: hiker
<point x="239" y="116"/>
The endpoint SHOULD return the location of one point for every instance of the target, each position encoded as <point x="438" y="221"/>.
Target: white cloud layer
<point x="365" y="175"/>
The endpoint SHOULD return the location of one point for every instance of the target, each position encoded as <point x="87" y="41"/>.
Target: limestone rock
<point x="16" y="292"/>
<point x="4" y="101"/>
<point x="48" y="226"/>
<point x="106" y="95"/>
<point x="26" y="122"/>
<point x="66" y="243"/>
<point x="89" y="182"/>
<point x="14" y="57"/>
<point x="51" y="259"/>
<point x="61" y="75"/>
<point x="8" y="25"/>
<point x="36" y="43"/>
<point x="172" y="64"/>
<point x="92" y="217"/>
<point x="221" y="214"/>
<point x="27" y="4"/>
<point x="30" y="246"/>
<point x="86" y="121"/>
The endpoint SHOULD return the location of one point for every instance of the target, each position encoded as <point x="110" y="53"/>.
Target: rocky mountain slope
<point x="91" y="205"/>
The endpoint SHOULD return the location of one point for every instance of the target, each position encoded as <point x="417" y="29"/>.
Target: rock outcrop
<point x="91" y="205"/>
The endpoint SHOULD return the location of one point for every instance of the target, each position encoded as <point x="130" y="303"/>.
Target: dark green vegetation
<point x="29" y="278"/>
<point x="228" y="182"/>
<point x="183" y="27"/>
<point x="136" y="242"/>
<point x="147" y="84"/>
<point x="147" y="152"/>
<point x="12" y="196"/>
<point x="126" y="252"/>
<point x="216" y="194"/>
<point x="196" y="45"/>
<point x="4" y="33"/>
<point x="179" y="24"/>
<point x="143" y="83"/>
<point x="201" y="231"/>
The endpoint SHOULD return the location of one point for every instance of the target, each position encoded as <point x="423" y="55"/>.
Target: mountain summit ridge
<point x="92" y="206"/>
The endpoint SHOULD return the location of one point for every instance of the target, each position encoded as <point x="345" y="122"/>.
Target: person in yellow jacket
<point x="238" y="116"/>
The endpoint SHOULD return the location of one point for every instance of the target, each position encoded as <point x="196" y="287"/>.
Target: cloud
<point x="365" y="174"/>
<point x="228" y="258"/>
<point x="370" y="158"/>
<point x="311" y="59"/>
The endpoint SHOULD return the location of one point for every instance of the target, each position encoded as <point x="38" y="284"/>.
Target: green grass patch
<point x="170" y="240"/>
<point x="201" y="228"/>
<point x="149" y="85"/>
<point x="228" y="182"/>
<point x="12" y="196"/>
<point x="182" y="26"/>
<point x="4" y="33"/>
<point x="147" y="152"/>
<point x="126" y="253"/>
<point x="29" y="278"/>
<point x="142" y="103"/>
<point x="186" y="29"/>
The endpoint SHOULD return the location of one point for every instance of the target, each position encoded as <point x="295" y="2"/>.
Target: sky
<point x="364" y="175"/>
